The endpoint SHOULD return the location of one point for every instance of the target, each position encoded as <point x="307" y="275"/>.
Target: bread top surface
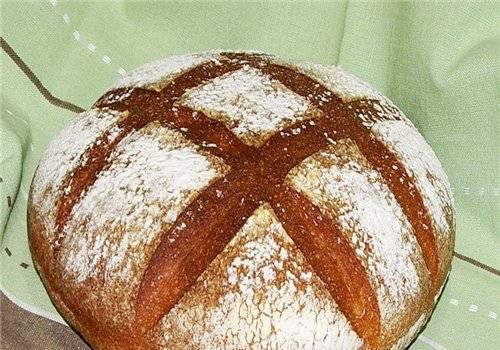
<point x="210" y="191"/>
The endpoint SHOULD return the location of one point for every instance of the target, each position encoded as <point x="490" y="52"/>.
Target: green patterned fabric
<point x="437" y="61"/>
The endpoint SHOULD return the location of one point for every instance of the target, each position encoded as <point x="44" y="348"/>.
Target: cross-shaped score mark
<point x="257" y="175"/>
<point x="216" y="215"/>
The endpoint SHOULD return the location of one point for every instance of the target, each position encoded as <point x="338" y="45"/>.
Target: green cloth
<point x="437" y="61"/>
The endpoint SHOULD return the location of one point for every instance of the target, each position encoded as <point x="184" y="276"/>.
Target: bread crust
<point x="143" y="309"/>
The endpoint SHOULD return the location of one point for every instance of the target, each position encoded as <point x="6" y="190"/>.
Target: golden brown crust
<point x="202" y="228"/>
<point x="397" y="178"/>
<point x="99" y="337"/>
<point x="257" y="175"/>
<point x="338" y="266"/>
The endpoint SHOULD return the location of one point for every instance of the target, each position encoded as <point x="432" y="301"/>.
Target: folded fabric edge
<point x="33" y="309"/>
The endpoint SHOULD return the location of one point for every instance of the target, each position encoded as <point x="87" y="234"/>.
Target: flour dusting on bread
<point x="252" y="105"/>
<point x="342" y="83"/>
<point x="154" y="174"/>
<point x="151" y="75"/>
<point x="64" y="154"/>
<point x="421" y="162"/>
<point x="341" y="181"/>
<point x="271" y="299"/>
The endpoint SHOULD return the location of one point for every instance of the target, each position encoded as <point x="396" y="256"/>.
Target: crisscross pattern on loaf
<point x="259" y="161"/>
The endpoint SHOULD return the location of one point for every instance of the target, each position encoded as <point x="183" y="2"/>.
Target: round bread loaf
<point x="233" y="200"/>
